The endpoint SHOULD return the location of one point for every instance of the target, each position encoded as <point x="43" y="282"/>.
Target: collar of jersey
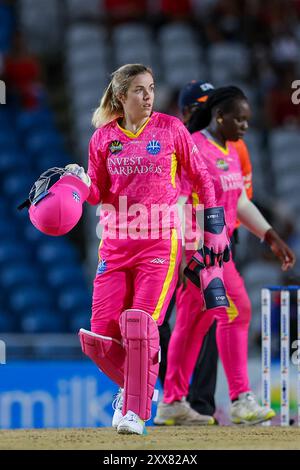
<point x="225" y="151"/>
<point x="130" y="134"/>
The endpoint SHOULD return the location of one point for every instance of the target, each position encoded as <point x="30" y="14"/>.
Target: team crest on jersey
<point x="115" y="146"/>
<point x="153" y="147"/>
<point x="222" y="164"/>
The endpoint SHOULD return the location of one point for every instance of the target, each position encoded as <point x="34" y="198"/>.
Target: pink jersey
<point x="145" y="167"/>
<point x="225" y="169"/>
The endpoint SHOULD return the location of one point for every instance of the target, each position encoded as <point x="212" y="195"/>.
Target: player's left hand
<point x="78" y="171"/>
<point x="280" y="249"/>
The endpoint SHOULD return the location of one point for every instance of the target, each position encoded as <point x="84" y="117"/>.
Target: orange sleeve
<point x="246" y="166"/>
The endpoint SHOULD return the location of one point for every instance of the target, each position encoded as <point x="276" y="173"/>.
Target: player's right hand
<point x="209" y="279"/>
<point x="280" y="249"/>
<point x="195" y="265"/>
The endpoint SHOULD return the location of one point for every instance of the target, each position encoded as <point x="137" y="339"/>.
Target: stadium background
<point x="55" y="59"/>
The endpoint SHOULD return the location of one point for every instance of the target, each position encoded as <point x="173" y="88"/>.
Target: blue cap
<point x="194" y="92"/>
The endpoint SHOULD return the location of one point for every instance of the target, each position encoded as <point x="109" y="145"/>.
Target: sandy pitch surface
<point x="158" y="438"/>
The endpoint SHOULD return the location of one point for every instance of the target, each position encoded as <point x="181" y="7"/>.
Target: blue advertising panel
<point x="54" y="394"/>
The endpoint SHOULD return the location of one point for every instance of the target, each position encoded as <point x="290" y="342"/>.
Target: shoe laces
<point x="251" y="397"/>
<point x="133" y="417"/>
<point x="184" y="402"/>
<point x="117" y="403"/>
<point x="252" y="401"/>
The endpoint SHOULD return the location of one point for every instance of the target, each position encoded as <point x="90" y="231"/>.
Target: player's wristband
<point x="214" y="220"/>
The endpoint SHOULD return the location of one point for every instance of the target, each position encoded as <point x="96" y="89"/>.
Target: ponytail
<point x="222" y="98"/>
<point x="109" y="108"/>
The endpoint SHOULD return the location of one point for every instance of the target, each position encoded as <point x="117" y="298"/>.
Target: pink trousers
<point x="192" y="324"/>
<point x="138" y="274"/>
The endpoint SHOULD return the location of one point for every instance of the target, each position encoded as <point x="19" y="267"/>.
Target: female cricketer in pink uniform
<point x="134" y="157"/>
<point x="224" y="118"/>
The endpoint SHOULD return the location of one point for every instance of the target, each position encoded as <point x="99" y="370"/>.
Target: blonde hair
<point x="110" y="106"/>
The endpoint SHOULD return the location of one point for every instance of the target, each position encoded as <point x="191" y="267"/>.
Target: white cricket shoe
<point x="180" y="413"/>
<point x="131" y="423"/>
<point x="117" y="405"/>
<point x="247" y="410"/>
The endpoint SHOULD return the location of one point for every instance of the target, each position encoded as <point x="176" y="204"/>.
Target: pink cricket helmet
<point x="56" y="209"/>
